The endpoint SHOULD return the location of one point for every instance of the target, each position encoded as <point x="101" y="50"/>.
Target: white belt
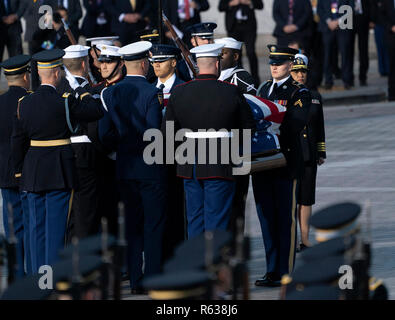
<point x="80" y="139"/>
<point x="208" y="135"/>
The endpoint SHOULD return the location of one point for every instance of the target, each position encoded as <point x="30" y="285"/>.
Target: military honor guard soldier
<point x="133" y="106"/>
<point x="206" y="103"/>
<point x="202" y="33"/>
<point x="84" y="217"/>
<point x="275" y="190"/>
<point x="164" y="61"/>
<point x="314" y="150"/>
<point x="43" y="155"/>
<point x="16" y="71"/>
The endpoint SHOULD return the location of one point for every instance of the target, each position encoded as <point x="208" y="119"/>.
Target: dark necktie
<point x="290" y="11"/>
<point x="274" y="91"/>
<point x="161" y="87"/>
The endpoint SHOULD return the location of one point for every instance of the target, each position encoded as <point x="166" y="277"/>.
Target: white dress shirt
<point x="279" y="83"/>
<point x="168" y="83"/>
<point x="181" y="10"/>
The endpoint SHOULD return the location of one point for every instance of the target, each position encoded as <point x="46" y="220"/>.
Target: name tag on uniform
<point x="282" y="102"/>
<point x="315" y="101"/>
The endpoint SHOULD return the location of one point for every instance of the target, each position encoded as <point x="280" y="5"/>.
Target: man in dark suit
<point x="74" y="13"/>
<point x="389" y="10"/>
<point x="184" y="13"/>
<point x="293" y="21"/>
<point x="362" y="18"/>
<point x="241" y="24"/>
<point x="10" y="26"/>
<point x="127" y="17"/>
<point x="97" y="20"/>
<point x="328" y="11"/>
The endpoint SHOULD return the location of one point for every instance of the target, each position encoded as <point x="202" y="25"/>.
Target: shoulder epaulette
<point x="66" y="95"/>
<point x="297" y="84"/>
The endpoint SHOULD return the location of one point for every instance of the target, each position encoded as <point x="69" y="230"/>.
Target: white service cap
<point x="111" y="51"/>
<point x="208" y="50"/>
<point x="76" y="51"/>
<point x="135" y="51"/>
<point x="102" y="40"/>
<point x="303" y="57"/>
<point x="230" y="43"/>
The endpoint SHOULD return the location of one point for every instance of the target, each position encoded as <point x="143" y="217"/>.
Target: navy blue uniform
<point x="275" y="190"/>
<point x="133" y="107"/>
<point x="44" y="156"/>
<point x="9" y="183"/>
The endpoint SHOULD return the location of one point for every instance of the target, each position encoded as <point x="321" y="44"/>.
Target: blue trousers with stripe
<point x="48" y="221"/>
<point x="275" y="198"/>
<point x="20" y="211"/>
<point x="208" y="204"/>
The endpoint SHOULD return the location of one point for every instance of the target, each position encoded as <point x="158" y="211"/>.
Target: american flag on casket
<point x="265" y="113"/>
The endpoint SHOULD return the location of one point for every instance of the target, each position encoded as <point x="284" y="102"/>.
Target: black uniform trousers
<point x="239" y="203"/>
<point x="275" y="198"/>
<point x="12" y="41"/>
<point x="145" y="215"/>
<point x="391" y="76"/>
<point x="361" y="29"/>
<point x="245" y="32"/>
<point x="343" y="39"/>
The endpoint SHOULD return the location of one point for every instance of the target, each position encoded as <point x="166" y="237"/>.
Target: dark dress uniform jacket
<point x="42" y="116"/>
<point x="133" y="106"/>
<point x="8" y="107"/>
<point x="297" y="99"/>
<point x="313" y="135"/>
<point x="206" y="103"/>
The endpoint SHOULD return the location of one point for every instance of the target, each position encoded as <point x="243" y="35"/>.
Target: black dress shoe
<point x="268" y="280"/>
<point x="363" y="83"/>
<point x="138" y="291"/>
<point x="347" y="86"/>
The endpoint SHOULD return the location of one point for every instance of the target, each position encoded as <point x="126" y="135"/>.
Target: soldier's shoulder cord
<point x="28" y="92"/>
<point x="66" y="96"/>
<point x="263" y="85"/>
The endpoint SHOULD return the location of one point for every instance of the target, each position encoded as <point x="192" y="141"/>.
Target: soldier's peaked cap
<point x="136" y="51"/>
<point x="278" y="54"/>
<point x="203" y="30"/>
<point x="319" y="292"/>
<point x="177" y="286"/>
<point x="335" y="221"/>
<point x="102" y="40"/>
<point x="163" y="52"/>
<point x="76" y="51"/>
<point x="16" y="65"/>
<point x="328" y="248"/>
<point x="208" y="50"/>
<point x="48" y="59"/>
<point x="108" y="53"/>
<point x="151" y="35"/>
<point x="300" y="62"/>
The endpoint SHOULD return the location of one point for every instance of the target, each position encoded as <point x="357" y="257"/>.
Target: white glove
<point x="71" y="79"/>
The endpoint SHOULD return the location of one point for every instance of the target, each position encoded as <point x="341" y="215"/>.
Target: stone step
<point x="360" y="95"/>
